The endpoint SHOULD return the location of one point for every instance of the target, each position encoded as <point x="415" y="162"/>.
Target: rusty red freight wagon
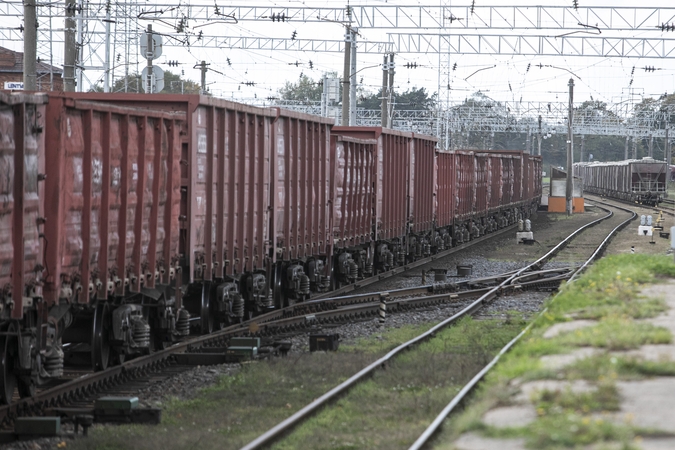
<point x="255" y="219"/>
<point x="27" y="341"/>
<point x="353" y="201"/>
<point x="477" y="190"/>
<point x="113" y="204"/>
<point x="404" y="180"/>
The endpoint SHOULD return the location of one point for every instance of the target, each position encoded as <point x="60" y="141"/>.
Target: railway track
<point x="74" y="395"/>
<point x="509" y="283"/>
<point x="73" y="399"/>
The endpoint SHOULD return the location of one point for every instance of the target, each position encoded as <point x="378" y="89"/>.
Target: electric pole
<point x="70" y="50"/>
<point x="352" y="80"/>
<point x="625" y="152"/>
<point x="202" y="67"/>
<point x="29" y="46"/>
<point x="385" y="79"/>
<point x="527" y="140"/>
<point x="651" y="146"/>
<point x="345" y="78"/>
<point x="667" y="151"/>
<point x="583" y="147"/>
<point x="539" y="137"/>
<point x="106" y="63"/>
<point x="390" y="91"/>
<point x="634" y="147"/>
<point x="570" y="179"/>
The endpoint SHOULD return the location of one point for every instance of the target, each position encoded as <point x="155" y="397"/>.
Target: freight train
<point x="636" y="180"/>
<point x="129" y="221"/>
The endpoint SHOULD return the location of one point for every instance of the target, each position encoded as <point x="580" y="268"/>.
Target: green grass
<point x="608" y="293"/>
<point x="395" y="406"/>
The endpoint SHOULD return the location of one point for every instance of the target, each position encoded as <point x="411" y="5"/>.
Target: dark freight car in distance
<point x="636" y="180"/>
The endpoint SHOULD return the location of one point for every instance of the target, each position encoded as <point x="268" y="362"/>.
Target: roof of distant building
<point x="11" y="61"/>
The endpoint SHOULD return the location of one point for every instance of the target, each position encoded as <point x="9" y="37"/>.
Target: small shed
<point x="558" y="189"/>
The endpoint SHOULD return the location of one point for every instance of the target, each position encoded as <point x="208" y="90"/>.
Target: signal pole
<point x="570" y="179"/>
<point x="149" y="54"/>
<point x="29" y="46"/>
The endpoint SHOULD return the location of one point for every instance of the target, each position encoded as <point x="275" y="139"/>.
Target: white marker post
<point x="672" y="239"/>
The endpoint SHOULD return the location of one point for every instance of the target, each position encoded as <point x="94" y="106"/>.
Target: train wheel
<point x="7" y="357"/>
<point x="100" y="338"/>
<point x="206" y="315"/>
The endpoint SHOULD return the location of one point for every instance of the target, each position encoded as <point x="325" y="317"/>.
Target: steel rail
<point x="435" y="425"/>
<point x="284" y="426"/>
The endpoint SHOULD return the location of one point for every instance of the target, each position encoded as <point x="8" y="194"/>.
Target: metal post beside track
<point x="383" y="307"/>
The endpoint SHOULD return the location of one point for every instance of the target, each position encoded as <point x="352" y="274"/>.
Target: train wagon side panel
<point x="301" y="173"/>
<point x="423" y="182"/>
<point x="111" y="184"/>
<point x="391" y="177"/>
<point x="229" y="184"/>
<point x="483" y="192"/>
<point x="352" y="190"/>
<point x="22" y="153"/>
<point x="465" y="185"/>
<point x="445" y="188"/>
<point x="495" y="180"/>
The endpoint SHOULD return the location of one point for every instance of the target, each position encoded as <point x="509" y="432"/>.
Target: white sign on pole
<point x="156" y="45"/>
<point x="157" y="79"/>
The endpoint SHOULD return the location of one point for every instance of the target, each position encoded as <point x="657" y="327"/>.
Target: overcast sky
<point x="606" y="79"/>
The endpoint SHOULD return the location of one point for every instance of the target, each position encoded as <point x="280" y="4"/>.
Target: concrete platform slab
<point x="557" y="362"/>
<point x="649" y="403"/>
<point x="531" y="387"/>
<point x="652" y="352"/>
<point x="566" y="327"/>
<point x="472" y="441"/>
<point x="510" y="416"/>
<point x="656" y="443"/>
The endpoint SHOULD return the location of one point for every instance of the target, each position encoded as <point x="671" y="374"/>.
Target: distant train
<point x="637" y="180"/>
<point x="128" y="221"/>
